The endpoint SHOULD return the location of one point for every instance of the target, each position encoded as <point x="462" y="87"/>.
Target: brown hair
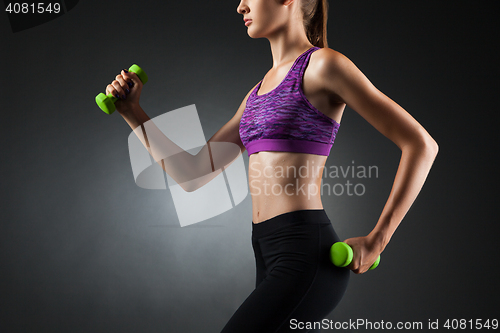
<point x="315" y="18"/>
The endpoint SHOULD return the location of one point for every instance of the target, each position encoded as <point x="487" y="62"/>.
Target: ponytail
<point x="315" y="18"/>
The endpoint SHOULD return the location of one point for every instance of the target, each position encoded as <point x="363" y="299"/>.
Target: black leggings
<point x="296" y="282"/>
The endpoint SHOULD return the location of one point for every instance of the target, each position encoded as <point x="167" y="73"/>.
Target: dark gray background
<point x="83" y="249"/>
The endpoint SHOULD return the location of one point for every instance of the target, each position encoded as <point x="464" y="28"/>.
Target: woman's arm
<point x="339" y="76"/>
<point x="189" y="171"/>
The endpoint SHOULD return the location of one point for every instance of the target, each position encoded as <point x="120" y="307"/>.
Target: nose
<point x="243" y="8"/>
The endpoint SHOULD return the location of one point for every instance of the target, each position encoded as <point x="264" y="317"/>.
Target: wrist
<point x="128" y="109"/>
<point x="379" y="239"/>
<point x="134" y="115"/>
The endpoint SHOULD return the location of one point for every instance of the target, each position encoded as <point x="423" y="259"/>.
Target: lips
<point x="247" y="21"/>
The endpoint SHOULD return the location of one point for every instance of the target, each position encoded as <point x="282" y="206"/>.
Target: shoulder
<point x="328" y="63"/>
<point x="326" y="55"/>
<point x="336" y="74"/>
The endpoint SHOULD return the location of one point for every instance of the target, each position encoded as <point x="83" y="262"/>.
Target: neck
<point x="288" y="44"/>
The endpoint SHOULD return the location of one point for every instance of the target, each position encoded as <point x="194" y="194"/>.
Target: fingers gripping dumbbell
<point x="341" y="255"/>
<point x="107" y="102"/>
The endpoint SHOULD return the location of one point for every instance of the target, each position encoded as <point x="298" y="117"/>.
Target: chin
<point x="253" y="33"/>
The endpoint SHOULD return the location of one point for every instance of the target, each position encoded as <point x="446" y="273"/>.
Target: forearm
<point x="415" y="164"/>
<point x="134" y="115"/>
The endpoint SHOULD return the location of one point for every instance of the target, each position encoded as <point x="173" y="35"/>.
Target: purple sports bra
<point x="284" y="120"/>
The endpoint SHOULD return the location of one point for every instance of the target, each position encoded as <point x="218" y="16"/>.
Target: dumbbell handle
<point x="341" y="255"/>
<point x="107" y="102"/>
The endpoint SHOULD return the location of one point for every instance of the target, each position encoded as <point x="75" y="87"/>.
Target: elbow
<point x="189" y="186"/>
<point x="435" y="148"/>
<point x="189" y="179"/>
<point x="186" y="188"/>
<point x="427" y="145"/>
<point x="194" y="183"/>
<point x="431" y="146"/>
<point x="422" y="143"/>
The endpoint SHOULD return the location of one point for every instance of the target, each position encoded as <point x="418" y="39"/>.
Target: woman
<point x="288" y="121"/>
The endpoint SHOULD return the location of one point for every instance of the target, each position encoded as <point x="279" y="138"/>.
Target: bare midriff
<point x="282" y="182"/>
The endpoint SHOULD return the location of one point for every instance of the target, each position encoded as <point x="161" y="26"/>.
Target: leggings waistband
<point x="298" y="217"/>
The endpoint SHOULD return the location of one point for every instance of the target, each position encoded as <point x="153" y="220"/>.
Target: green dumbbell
<point x="107" y="103"/>
<point x="341" y="255"/>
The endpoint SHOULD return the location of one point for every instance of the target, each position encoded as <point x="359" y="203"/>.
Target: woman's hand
<point x="127" y="87"/>
<point x="366" y="251"/>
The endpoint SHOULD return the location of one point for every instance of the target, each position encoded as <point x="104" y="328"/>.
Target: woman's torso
<point x="281" y="182"/>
